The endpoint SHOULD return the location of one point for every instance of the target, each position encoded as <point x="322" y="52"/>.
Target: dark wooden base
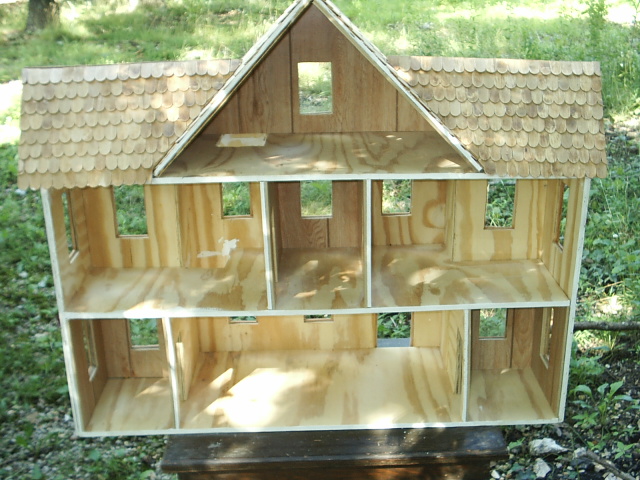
<point x="398" y="454"/>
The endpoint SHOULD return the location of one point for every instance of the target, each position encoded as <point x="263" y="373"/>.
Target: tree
<point x="42" y="13"/>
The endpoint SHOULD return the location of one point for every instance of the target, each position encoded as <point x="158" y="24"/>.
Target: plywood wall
<point x="315" y="39"/>
<point x="549" y="373"/>
<point x="263" y="102"/>
<point x="186" y="336"/>
<point x="207" y="237"/>
<point x="561" y="260"/>
<point x="475" y="242"/>
<point x="125" y="361"/>
<point x="159" y="248"/>
<point x="290" y="332"/>
<point x="426" y="223"/>
<point x="343" y="229"/>
<point x="89" y="388"/>
<point x="72" y="265"/>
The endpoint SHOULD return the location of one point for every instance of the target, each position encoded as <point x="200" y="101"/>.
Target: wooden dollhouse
<point x="267" y="320"/>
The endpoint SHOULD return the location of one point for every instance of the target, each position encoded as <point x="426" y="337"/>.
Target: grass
<point x="32" y="375"/>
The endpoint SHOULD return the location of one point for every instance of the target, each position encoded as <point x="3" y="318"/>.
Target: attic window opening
<point x="143" y="333"/>
<point x="493" y="323"/>
<point x="131" y="212"/>
<point x="396" y="197"/>
<point x="561" y="224"/>
<point x="69" y="225"/>
<point x="315" y="88"/>
<point x="500" y="206"/>
<point x="316" y="198"/>
<point x="236" y="199"/>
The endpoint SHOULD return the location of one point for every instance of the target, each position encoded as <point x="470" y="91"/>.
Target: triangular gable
<point x="270" y="40"/>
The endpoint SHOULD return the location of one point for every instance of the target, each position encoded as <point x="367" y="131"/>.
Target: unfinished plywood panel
<point x="159" y="248"/>
<point x="343" y="228"/>
<point x="453" y="350"/>
<point x="475" y="242"/>
<point x="425" y="276"/>
<point x="149" y="292"/>
<point x="491" y="353"/>
<point x="122" y="401"/>
<point x="319" y="154"/>
<point x="187" y="337"/>
<point x="335" y="332"/>
<point x="276" y="389"/>
<point x="266" y="94"/>
<point x="561" y="256"/>
<point x="548" y="362"/>
<point x="424" y="225"/>
<point x="507" y="395"/>
<point x="71" y="261"/>
<point x="315" y="39"/>
<point x="208" y="237"/>
<point x="89" y="380"/>
<point x="426" y="329"/>
<point x="320" y="279"/>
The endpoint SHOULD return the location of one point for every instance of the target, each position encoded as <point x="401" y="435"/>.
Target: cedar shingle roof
<point x="518" y="117"/>
<point x="108" y="125"/>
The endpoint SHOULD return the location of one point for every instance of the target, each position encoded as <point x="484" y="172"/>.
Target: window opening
<point x="89" y="343"/>
<point x="131" y="213"/>
<point x="501" y="198"/>
<point x="236" y="199"/>
<point x="547" y="329"/>
<point x="561" y="225"/>
<point x="143" y="333"/>
<point x="394" y="329"/>
<point x="493" y="323"/>
<point x="318" y="318"/>
<point x="315" y="88"/>
<point x="396" y="197"/>
<point x="69" y="224"/>
<point x="316" y="198"/>
<point x="244" y="320"/>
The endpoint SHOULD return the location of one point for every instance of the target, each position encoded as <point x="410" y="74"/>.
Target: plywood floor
<point x="291" y="155"/>
<point x="414" y="276"/>
<point x="133" y="405"/>
<point x="240" y="285"/>
<point x="373" y="387"/>
<point x="320" y="279"/>
<point x="507" y="396"/>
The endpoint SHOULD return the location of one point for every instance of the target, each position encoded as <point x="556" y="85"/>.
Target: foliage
<point x="596" y="412"/>
<point x="394" y="325"/>
<point x="316" y="198"/>
<point x="493" y="322"/>
<point x="236" y="199"/>
<point x="611" y="259"/>
<point x="501" y="197"/>
<point x="131" y="214"/>
<point x="315" y="87"/>
<point x="396" y="196"/>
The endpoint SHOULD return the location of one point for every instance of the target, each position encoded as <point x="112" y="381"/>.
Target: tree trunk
<point x="41" y="14"/>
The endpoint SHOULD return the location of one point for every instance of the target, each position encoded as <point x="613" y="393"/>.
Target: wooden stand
<point x="452" y="453"/>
